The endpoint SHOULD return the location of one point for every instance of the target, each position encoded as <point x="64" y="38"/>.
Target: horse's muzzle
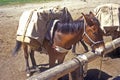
<point x="99" y="50"/>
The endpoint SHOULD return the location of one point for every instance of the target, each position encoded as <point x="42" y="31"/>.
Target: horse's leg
<point x="85" y="46"/>
<point x="61" y="57"/>
<point x="74" y="48"/>
<point x="52" y="58"/>
<point x="33" y="60"/>
<point x="26" y="55"/>
<point x="51" y="53"/>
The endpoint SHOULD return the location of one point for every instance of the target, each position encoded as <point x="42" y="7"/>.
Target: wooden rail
<point x="70" y="66"/>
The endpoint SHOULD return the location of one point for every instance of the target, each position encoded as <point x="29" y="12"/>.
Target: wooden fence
<point x="77" y="62"/>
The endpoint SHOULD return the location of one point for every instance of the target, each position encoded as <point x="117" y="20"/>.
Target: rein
<point x="84" y="33"/>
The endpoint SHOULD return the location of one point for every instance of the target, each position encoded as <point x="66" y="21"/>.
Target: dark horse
<point x="86" y="28"/>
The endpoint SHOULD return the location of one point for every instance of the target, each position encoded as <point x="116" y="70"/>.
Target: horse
<point x="65" y="34"/>
<point x="83" y="42"/>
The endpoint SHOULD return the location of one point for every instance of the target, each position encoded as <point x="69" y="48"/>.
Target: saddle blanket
<point x="108" y="15"/>
<point x="33" y="24"/>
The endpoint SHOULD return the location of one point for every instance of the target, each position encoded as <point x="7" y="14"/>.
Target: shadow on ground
<point x="114" y="54"/>
<point x="92" y="74"/>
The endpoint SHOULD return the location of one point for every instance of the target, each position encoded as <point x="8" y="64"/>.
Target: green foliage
<point x="13" y="2"/>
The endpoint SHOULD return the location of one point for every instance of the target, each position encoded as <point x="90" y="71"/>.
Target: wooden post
<point x="119" y="18"/>
<point x="110" y="46"/>
<point x="69" y="66"/>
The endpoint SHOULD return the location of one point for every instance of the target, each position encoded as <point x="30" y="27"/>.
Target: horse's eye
<point x="92" y="20"/>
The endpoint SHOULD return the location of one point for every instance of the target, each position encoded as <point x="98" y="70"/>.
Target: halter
<point x="84" y="33"/>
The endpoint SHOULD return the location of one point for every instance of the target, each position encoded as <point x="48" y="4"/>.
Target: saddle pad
<point x="34" y="23"/>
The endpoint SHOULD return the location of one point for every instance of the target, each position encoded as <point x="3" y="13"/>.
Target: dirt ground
<point x="13" y="68"/>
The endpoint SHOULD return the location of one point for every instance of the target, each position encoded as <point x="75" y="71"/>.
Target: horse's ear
<point x="83" y="15"/>
<point x="91" y="13"/>
<point x="88" y="21"/>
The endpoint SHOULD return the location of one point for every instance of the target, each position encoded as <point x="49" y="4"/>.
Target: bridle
<point x="63" y="50"/>
<point x="85" y="34"/>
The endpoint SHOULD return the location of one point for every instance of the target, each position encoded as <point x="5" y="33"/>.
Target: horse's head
<point x="93" y="35"/>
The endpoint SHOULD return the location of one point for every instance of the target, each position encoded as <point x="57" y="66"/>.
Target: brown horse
<point x="86" y="28"/>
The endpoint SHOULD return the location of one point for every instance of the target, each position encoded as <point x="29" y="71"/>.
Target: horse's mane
<point x="70" y="27"/>
<point x="76" y="25"/>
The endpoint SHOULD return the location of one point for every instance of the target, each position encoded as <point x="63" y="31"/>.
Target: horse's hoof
<point x="28" y="74"/>
<point x="37" y="70"/>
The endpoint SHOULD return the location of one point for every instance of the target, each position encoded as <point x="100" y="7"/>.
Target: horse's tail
<point x="17" y="48"/>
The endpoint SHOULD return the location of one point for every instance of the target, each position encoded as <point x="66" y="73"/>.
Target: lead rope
<point x="101" y="62"/>
<point x="84" y="33"/>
